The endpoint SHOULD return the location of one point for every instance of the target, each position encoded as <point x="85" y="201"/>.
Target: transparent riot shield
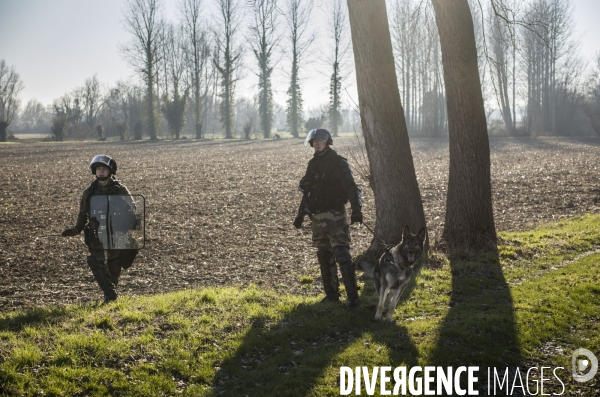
<point x="117" y="222"/>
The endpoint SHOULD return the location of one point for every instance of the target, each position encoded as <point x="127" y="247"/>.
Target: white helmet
<point x="319" y="133"/>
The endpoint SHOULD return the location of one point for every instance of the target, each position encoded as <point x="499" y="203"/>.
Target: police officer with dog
<point x="105" y="264"/>
<point x="327" y="186"/>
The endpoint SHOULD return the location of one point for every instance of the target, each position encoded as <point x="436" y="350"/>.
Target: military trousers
<point x="106" y="268"/>
<point x="330" y="229"/>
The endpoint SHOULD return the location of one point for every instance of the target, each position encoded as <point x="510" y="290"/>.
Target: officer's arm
<point x="349" y="186"/>
<point x="123" y="191"/>
<point x="302" y="208"/>
<point x="82" y="217"/>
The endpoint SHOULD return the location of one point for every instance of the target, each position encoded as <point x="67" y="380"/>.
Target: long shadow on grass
<point x="15" y="322"/>
<point x="290" y="357"/>
<point x="479" y="329"/>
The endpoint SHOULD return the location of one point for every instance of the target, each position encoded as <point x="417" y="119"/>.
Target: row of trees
<point x="190" y="60"/>
<point x="469" y="217"/>
<point x="387" y="112"/>
<point x="530" y="74"/>
<point x="525" y="52"/>
<point x="10" y="87"/>
<point x="533" y="67"/>
<point x="190" y="70"/>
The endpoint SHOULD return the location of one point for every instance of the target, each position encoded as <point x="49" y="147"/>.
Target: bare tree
<point x="501" y="43"/>
<point x="112" y="116"/>
<point x="144" y="21"/>
<point x="68" y="114"/>
<point x="174" y="100"/>
<point x="417" y="53"/>
<point x="92" y="100"/>
<point x="592" y="101"/>
<point x="128" y="101"/>
<point x="298" y="15"/>
<point x="10" y="88"/>
<point x="338" y="25"/>
<point x="247" y="116"/>
<point x="408" y="40"/>
<point x="34" y="118"/>
<point x="263" y="40"/>
<point x="548" y="53"/>
<point x="228" y="58"/>
<point x="198" y="54"/>
<point x="393" y="178"/>
<point x="469" y="220"/>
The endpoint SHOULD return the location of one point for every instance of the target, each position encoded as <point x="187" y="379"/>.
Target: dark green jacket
<point x="329" y="183"/>
<point x="113" y="187"/>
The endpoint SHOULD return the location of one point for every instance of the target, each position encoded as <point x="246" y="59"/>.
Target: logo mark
<point x="580" y="365"/>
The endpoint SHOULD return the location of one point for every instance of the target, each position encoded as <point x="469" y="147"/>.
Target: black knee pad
<point x="342" y="255"/>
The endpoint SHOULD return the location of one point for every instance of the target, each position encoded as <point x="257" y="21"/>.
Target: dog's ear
<point x="406" y="232"/>
<point x="421" y="233"/>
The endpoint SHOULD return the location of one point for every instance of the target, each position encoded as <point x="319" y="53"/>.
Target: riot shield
<point x="117" y="222"/>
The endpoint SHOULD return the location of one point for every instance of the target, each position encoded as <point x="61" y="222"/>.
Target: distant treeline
<point x="532" y="79"/>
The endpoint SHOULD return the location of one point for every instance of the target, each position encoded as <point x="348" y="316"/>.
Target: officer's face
<point x="318" y="145"/>
<point x="102" y="171"/>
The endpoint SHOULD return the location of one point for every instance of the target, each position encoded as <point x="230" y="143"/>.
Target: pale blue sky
<point x="57" y="44"/>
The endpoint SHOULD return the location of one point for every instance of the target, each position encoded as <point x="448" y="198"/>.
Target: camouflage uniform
<point x="328" y="185"/>
<point x="106" y="268"/>
<point x="330" y="229"/>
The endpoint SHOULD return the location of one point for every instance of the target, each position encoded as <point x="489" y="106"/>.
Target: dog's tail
<point x="376" y="274"/>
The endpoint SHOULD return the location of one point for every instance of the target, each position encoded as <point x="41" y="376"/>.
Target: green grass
<point x="531" y="305"/>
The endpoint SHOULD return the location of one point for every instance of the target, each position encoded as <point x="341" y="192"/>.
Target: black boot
<point x="110" y="298"/>
<point x="114" y="268"/>
<point x="344" y="259"/>
<point x="331" y="283"/>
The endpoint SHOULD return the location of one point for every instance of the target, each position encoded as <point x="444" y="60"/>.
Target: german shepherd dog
<point x="395" y="268"/>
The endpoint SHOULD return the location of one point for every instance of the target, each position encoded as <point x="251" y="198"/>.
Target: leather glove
<point x="356" y="217"/>
<point x="69" y="232"/>
<point x="298" y="222"/>
<point x="93" y="224"/>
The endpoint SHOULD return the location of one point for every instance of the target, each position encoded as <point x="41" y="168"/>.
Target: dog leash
<point x="387" y="246"/>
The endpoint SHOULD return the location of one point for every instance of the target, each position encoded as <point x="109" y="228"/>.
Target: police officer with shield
<point x="105" y="264"/>
<point x="327" y="186"/>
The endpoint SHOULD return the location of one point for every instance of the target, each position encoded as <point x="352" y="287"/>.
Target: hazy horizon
<point x="56" y="45"/>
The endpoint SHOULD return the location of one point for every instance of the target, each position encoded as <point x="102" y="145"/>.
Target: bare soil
<point x="220" y="212"/>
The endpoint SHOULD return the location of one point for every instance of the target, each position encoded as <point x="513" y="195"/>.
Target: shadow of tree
<point x="479" y="328"/>
<point x="17" y="321"/>
<point x="315" y="337"/>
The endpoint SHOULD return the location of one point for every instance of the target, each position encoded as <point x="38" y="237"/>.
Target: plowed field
<point x="220" y="212"/>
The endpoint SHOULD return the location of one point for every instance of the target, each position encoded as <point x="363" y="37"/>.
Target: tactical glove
<point x="70" y="232"/>
<point x="356" y="217"/>
<point x="298" y="222"/>
<point x="93" y="224"/>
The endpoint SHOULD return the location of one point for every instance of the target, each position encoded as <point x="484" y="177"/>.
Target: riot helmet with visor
<point x="104" y="160"/>
<point x="318" y="133"/>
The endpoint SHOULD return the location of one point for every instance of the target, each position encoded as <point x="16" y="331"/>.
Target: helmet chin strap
<point x="103" y="178"/>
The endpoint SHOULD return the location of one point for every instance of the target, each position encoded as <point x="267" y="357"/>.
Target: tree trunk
<point x="198" y="130"/>
<point x="393" y="177"/>
<point x="469" y="215"/>
<point x="151" y="109"/>
<point x="3" y="131"/>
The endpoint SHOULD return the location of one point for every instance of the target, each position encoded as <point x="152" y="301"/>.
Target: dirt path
<point x="220" y="212"/>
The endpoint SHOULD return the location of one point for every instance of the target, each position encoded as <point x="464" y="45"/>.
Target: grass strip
<point x="531" y="305"/>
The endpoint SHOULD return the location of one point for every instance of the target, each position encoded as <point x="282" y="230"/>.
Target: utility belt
<point x="336" y="207"/>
